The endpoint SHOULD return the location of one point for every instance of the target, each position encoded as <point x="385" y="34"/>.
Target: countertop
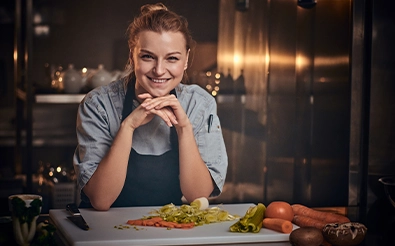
<point x="104" y="230"/>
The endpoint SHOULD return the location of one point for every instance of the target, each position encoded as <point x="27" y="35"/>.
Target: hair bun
<point x="152" y="7"/>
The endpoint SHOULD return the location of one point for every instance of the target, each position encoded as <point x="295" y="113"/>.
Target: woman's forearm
<point x="107" y="181"/>
<point x="195" y="178"/>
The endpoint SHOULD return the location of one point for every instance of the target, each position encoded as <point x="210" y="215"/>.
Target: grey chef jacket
<point x="100" y="115"/>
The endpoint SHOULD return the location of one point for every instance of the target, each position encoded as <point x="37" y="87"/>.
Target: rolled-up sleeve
<point x="95" y="118"/>
<point x="212" y="149"/>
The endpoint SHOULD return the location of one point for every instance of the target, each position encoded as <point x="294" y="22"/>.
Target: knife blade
<point x="76" y="216"/>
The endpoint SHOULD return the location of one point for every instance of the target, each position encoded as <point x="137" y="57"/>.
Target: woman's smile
<point x="159" y="81"/>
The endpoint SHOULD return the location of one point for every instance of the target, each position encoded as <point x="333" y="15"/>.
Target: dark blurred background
<point x="305" y="94"/>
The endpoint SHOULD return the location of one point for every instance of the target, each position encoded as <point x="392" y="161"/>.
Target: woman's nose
<point x="159" y="68"/>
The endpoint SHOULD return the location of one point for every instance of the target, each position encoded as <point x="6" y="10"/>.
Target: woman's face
<point x="160" y="60"/>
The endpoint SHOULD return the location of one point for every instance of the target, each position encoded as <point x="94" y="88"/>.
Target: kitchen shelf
<point x="59" y="98"/>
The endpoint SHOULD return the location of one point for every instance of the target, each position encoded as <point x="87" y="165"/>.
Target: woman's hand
<point x="138" y="117"/>
<point x="167" y="107"/>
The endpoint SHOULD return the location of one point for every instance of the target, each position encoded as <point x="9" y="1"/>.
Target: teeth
<point x="159" y="80"/>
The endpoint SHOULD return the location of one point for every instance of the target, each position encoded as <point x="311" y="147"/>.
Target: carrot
<point x="167" y="224"/>
<point x="188" y="225"/>
<point x="144" y="222"/>
<point x="135" y="222"/>
<point x="326" y="217"/>
<point x="149" y="223"/>
<point x="159" y="222"/>
<point x="156" y="219"/>
<point x="304" y="221"/>
<point x="277" y="224"/>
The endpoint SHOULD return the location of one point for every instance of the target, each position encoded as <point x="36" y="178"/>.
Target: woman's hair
<point x="156" y="18"/>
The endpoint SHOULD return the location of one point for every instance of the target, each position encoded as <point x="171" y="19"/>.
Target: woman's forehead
<point x="165" y="40"/>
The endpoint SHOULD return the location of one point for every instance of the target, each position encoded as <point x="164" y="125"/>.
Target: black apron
<point x="150" y="180"/>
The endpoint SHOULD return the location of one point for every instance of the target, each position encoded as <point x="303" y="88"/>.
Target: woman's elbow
<point x="100" y="205"/>
<point x="97" y="201"/>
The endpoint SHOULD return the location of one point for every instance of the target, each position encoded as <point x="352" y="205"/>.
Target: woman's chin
<point x="159" y="93"/>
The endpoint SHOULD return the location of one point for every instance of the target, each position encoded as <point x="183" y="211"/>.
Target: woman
<point x="148" y="139"/>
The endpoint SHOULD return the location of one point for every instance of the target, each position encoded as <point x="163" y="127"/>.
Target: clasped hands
<point x="167" y="107"/>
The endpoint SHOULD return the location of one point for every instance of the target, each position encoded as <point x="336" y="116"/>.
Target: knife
<point x="76" y="217"/>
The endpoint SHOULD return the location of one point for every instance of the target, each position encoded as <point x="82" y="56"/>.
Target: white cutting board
<point x="102" y="231"/>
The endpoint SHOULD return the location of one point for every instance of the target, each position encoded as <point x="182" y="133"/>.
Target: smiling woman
<point x="143" y="140"/>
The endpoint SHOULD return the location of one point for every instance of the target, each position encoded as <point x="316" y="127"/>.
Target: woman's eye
<point x="146" y="56"/>
<point x="173" y="58"/>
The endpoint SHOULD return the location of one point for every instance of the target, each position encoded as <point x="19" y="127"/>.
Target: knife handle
<point x="73" y="209"/>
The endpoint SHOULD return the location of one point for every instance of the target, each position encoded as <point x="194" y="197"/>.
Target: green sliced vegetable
<point x="191" y="213"/>
<point x="252" y="220"/>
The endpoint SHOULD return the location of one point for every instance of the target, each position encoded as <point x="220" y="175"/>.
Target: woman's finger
<point x="169" y="102"/>
<point x="175" y="115"/>
<point x="170" y="114"/>
<point x="139" y="116"/>
<point x="166" y="114"/>
<point x="160" y="102"/>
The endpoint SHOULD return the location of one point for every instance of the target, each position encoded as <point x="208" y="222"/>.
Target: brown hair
<point x="157" y="18"/>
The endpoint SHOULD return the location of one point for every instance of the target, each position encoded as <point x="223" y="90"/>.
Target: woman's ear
<point x="186" y="62"/>
<point x="131" y="62"/>
<point x="130" y="55"/>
